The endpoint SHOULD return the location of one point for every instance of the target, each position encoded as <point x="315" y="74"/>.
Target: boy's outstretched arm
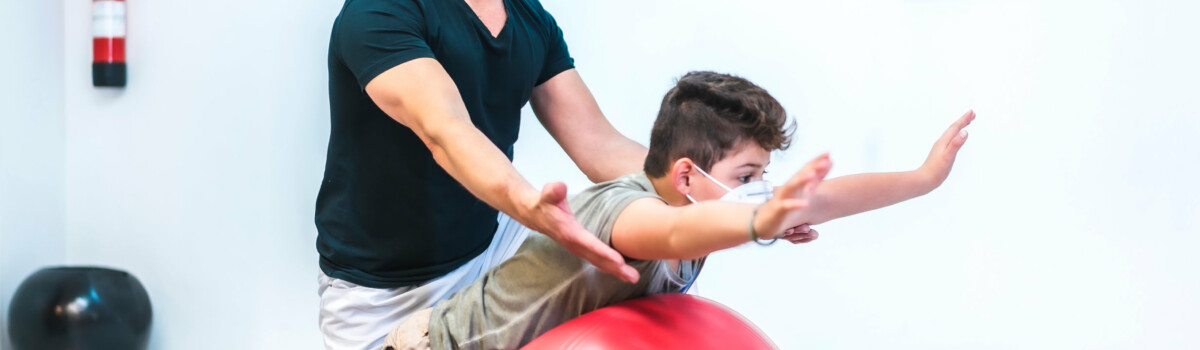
<point x="853" y="194"/>
<point x="648" y="229"/>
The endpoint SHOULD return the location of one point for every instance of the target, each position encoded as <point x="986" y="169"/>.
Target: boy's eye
<point x="744" y="178"/>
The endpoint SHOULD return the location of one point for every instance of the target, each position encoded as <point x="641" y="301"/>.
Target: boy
<point x="712" y="140"/>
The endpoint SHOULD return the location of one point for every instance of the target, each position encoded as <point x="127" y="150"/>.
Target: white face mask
<point x="754" y="192"/>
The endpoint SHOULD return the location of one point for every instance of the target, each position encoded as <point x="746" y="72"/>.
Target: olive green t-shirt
<point x="543" y="285"/>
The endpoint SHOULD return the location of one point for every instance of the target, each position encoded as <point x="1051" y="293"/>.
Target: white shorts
<point x="358" y="318"/>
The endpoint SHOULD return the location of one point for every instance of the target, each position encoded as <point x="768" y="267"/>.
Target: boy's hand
<point x="786" y="210"/>
<point x="941" y="158"/>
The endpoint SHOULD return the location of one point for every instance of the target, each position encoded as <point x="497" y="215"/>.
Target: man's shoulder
<point x="366" y="4"/>
<point x="388" y="8"/>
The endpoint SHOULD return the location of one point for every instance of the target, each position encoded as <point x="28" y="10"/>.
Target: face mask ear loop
<point x="701" y="171"/>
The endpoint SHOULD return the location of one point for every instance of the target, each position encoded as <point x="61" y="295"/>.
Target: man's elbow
<point x="438" y="132"/>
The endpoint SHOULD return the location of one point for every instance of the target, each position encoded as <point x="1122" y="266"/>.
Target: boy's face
<point x="745" y="163"/>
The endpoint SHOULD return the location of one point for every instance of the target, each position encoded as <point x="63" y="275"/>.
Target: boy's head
<point x="722" y="124"/>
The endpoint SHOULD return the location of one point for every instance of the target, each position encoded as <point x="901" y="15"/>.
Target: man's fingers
<point x="620" y="269"/>
<point x="628" y="273"/>
<point x="800" y="234"/>
<point x="578" y="240"/>
<point x="613" y="264"/>
<point x="608" y="259"/>
<point x="801" y="237"/>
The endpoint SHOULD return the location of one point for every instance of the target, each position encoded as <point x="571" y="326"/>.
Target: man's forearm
<point x="471" y="159"/>
<point x="853" y="194"/>
<point x="570" y="113"/>
<point x="618" y="156"/>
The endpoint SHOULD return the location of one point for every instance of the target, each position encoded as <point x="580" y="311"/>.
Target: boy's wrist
<point x="762" y="218"/>
<point x="929" y="178"/>
<point x="755" y="235"/>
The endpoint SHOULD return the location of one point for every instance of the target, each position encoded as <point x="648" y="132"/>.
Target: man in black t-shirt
<point x="419" y="195"/>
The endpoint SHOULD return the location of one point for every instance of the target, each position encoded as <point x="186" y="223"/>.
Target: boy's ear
<point x="681" y="172"/>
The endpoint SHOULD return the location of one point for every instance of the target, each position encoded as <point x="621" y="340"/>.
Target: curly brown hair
<point x="706" y="114"/>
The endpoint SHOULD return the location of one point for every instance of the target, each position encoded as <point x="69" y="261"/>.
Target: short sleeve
<point x="558" y="58"/>
<point x="598" y="207"/>
<point x="374" y="36"/>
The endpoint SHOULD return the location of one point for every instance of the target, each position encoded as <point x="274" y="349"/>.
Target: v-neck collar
<point x="483" y="28"/>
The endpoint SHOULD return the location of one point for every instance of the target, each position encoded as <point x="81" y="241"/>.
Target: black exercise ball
<point x="80" y="308"/>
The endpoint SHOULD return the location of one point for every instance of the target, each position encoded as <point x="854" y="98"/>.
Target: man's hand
<point x="941" y="158"/>
<point x="799" y="234"/>
<point x="786" y="211"/>
<point x="550" y="215"/>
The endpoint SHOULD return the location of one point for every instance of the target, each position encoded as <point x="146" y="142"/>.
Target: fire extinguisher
<point x="108" y="43"/>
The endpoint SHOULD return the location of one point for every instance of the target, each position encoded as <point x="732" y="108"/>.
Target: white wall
<point x="31" y="145"/>
<point x="200" y="177"/>
<point x="1069" y="222"/>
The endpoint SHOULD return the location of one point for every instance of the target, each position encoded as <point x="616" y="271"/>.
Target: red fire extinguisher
<point x="108" y="43"/>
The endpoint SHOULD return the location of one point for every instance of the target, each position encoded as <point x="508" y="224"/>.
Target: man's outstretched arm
<point x="420" y="95"/>
<point x="567" y="109"/>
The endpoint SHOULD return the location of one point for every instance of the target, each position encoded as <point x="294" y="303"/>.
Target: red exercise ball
<point x="663" y="321"/>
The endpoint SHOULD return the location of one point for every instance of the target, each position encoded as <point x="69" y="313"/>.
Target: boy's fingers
<point x="954" y="145"/>
<point x="959" y="139"/>
<point x="797" y="180"/>
<point x="816" y="168"/>
<point x="953" y="131"/>
<point x="819" y="172"/>
<point x="965" y="120"/>
<point x="794" y="204"/>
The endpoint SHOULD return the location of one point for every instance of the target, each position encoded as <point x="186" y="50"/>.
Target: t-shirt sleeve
<point x="558" y="58"/>
<point x="602" y="205"/>
<point x="373" y="38"/>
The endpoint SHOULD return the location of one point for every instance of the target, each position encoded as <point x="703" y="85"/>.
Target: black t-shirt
<point x="387" y="215"/>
